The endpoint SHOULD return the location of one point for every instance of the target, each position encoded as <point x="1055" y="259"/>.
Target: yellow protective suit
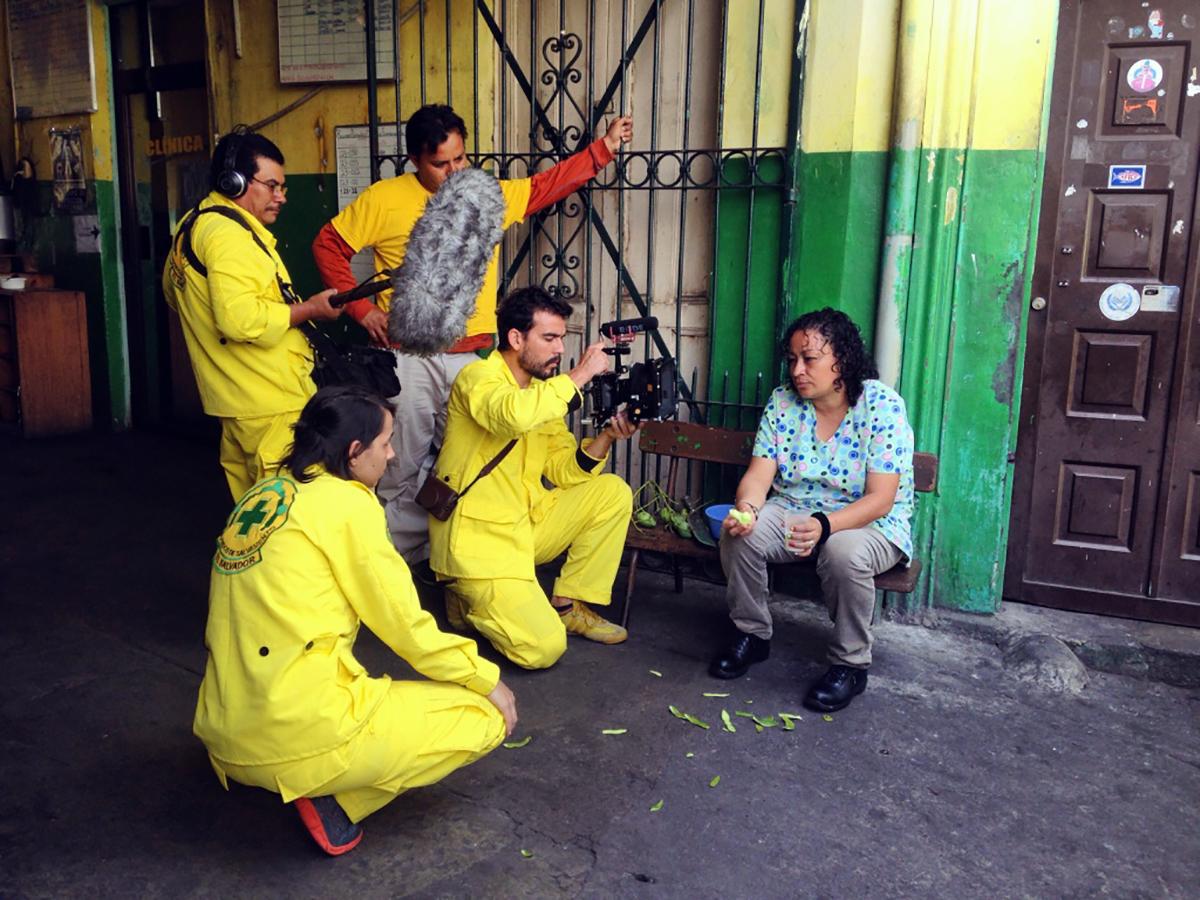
<point x="253" y="369"/>
<point x="509" y="521"/>
<point x="284" y="704"/>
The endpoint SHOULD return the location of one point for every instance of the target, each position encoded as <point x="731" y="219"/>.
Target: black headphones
<point x="230" y="182"/>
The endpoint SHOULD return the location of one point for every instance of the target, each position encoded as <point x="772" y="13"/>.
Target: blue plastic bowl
<point x="716" y="515"/>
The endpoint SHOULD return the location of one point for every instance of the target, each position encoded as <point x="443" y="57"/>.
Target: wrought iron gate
<point x="645" y="237"/>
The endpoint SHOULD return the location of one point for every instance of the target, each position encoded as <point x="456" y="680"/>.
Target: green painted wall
<point x="959" y="292"/>
<point x="311" y="202"/>
<point x="841" y="197"/>
<point x="838" y="229"/>
<point x="967" y="409"/>
<point x="746" y="285"/>
<point x="916" y="208"/>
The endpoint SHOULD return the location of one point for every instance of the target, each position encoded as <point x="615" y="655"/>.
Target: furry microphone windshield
<point x="444" y="264"/>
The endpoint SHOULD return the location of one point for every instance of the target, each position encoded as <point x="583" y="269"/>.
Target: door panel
<point x="1106" y="504"/>
<point x="162" y="126"/>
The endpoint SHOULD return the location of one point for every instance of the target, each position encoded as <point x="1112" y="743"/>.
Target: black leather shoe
<point x="745" y="650"/>
<point x="836" y="689"/>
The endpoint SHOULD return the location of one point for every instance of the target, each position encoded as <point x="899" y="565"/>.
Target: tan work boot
<point x="583" y="621"/>
<point x="456" y="611"/>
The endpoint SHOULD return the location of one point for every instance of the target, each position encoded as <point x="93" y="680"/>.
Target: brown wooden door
<point x="1106" y="502"/>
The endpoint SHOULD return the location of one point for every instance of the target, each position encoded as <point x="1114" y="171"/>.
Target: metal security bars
<point x="687" y="224"/>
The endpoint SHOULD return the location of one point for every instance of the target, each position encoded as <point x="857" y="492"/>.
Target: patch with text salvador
<point x="260" y="513"/>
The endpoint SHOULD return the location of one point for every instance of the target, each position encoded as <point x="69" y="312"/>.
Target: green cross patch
<point x="257" y="516"/>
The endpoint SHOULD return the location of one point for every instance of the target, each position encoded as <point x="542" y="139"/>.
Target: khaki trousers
<point x="417" y="432"/>
<point x="846" y="564"/>
<point x="589" y="521"/>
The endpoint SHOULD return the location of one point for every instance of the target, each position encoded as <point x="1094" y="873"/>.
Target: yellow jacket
<point x="297" y="569"/>
<point x="490" y="534"/>
<point x="247" y="358"/>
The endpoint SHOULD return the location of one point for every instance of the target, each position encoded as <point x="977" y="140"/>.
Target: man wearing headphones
<point x="240" y="316"/>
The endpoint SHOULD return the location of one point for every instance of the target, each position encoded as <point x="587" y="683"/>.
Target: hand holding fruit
<point x="740" y="522"/>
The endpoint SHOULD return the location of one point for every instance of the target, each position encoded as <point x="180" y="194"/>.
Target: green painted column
<point x="750" y="241"/>
<point x="955" y="303"/>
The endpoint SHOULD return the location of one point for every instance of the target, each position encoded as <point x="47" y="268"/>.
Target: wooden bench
<point x="683" y="441"/>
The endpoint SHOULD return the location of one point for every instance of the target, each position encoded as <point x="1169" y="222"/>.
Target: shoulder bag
<point x="368" y="367"/>
<point x="439" y="499"/>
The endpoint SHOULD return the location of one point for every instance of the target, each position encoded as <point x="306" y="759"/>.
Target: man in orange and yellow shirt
<point x="382" y="218"/>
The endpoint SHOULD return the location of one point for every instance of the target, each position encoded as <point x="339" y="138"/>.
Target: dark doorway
<point x="1106" y="499"/>
<point x="162" y="155"/>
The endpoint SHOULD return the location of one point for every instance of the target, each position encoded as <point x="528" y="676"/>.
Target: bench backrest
<point x="687" y="440"/>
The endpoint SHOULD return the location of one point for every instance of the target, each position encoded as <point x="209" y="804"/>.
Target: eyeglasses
<point x="273" y="186"/>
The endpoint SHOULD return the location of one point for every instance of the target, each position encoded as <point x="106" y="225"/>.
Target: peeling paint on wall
<point x="1005" y="375"/>
<point x="951" y="209"/>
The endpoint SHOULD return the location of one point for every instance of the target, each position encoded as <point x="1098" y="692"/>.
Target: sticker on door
<point x="1127" y="177"/>
<point x="1120" y="301"/>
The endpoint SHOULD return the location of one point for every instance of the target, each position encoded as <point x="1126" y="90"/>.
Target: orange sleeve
<point x="332" y="255"/>
<point x="552" y="185"/>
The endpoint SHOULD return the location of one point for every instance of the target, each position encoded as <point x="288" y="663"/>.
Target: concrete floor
<point x="948" y="778"/>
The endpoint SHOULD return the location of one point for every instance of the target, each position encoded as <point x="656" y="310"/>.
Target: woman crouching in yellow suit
<point x="304" y="560"/>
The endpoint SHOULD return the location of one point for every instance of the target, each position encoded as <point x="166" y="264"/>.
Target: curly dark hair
<point x="853" y="365"/>
<point x="429" y="126"/>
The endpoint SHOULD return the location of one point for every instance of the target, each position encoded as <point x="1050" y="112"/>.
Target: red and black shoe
<point x="328" y="824"/>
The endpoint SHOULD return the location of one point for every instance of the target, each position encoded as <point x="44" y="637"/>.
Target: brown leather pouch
<point x="437" y="497"/>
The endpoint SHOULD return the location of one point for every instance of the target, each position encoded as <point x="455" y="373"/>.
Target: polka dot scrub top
<point x="825" y="476"/>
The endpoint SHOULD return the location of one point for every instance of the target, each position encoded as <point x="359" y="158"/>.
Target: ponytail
<point x="333" y="419"/>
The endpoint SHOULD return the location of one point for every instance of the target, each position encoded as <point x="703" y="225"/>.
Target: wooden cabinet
<point x="45" y="381"/>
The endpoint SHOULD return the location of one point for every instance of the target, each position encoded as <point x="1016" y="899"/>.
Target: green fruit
<point x="743" y="517"/>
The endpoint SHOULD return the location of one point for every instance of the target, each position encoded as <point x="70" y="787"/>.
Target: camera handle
<point x="616" y="352"/>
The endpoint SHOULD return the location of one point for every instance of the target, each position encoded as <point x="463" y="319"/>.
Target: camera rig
<point x="646" y="389"/>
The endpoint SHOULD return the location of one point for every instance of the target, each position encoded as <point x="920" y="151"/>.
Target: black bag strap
<point x="319" y="340"/>
<point x="495" y="461"/>
<point x="184" y="235"/>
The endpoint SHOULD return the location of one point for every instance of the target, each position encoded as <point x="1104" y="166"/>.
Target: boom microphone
<point x="445" y="263"/>
<point x="370" y="289"/>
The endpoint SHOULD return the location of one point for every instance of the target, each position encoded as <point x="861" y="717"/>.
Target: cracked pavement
<point x="948" y="777"/>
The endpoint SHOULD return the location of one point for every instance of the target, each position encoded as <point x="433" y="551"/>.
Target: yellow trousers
<point x="251" y="449"/>
<point x="589" y="521"/>
<point x="421" y="733"/>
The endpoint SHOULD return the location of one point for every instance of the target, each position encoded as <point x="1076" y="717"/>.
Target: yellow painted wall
<point x="1012" y="76"/>
<point x="742" y="68"/>
<point x="32" y="137"/>
<point x="849" y="75"/>
<point x="246" y="90"/>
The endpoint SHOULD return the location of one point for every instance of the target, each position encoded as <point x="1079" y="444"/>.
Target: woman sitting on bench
<point x="831" y="478"/>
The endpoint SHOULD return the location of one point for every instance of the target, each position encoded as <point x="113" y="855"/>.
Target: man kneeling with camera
<point x="493" y="519"/>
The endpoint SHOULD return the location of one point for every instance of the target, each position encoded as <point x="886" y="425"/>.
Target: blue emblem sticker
<point x="1127" y="177"/>
<point x="1120" y="301"/>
